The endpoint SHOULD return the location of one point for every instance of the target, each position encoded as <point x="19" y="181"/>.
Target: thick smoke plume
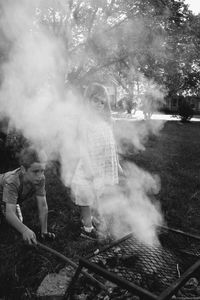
<point x="133" y="206"/>
<point x="34" y="98"/>
<point x="31" y="94"/>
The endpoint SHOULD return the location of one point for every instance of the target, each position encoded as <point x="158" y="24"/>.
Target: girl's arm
<point x="120" y="170"/>
<point x="84" y="153"/>
<point x="87" y="165"/>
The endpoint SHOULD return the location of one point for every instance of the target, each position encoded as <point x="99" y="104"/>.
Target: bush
<point x="185" y="111"/>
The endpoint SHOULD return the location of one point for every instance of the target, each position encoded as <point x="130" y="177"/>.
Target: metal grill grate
<point x="145" y="269"/>
<point x="154" y="268"/>
<point x="145" y="266"/>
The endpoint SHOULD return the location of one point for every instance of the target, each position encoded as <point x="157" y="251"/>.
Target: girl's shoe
<point x="99" y="225"/>
<point x="96" y="223"/>
<point x="92" y="235"/>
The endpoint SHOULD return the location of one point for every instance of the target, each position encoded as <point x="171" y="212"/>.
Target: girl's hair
<point x="28" y="156"/>
<point x="98" y="90"/>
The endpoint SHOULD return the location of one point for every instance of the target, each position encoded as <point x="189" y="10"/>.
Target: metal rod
<point x="112" y="244"/>
<point x="130" y="286"/>
<point x="73" y="264"/>
<point x="71" y="285"/>
<point x="172" y="289"/>
<point x="187" y="234"/>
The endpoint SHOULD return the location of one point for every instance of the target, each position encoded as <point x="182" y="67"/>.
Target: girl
<point x="98" y="166"/>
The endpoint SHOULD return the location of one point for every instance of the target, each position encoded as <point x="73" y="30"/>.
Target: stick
<point x="73" y="264"/>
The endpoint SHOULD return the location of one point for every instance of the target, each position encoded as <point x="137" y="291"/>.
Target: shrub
<point x="185" y="111"/>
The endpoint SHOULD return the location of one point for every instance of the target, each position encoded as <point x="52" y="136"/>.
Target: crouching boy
<point x="18" y="186"/>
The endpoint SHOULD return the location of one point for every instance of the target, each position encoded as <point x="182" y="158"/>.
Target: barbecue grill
<point x="148" y="272"/>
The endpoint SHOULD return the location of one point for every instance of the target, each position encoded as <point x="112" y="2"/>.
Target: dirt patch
<point x="55" y="284"/>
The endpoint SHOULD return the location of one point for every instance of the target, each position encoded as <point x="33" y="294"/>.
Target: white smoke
<point x="133" y="207"/>
<point x="31" y="94"/>
<point x="34" y="99"/>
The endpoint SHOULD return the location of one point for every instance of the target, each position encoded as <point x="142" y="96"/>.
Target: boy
<point x="19" y="185"/>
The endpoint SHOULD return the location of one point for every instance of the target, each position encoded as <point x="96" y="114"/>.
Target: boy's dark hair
<point x="28" y="156"/>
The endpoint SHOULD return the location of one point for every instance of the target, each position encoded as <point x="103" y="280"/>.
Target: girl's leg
<point x="86" y="216"/>
<point x="87" y="231"/>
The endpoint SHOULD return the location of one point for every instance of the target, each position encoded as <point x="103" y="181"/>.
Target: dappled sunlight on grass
<point x="155" y="116"/>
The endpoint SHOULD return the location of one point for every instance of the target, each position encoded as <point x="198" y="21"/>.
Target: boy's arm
<point x="43" y="212"/>
<point x="27" y="234"/>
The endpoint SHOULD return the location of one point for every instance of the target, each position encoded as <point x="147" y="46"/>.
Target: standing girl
<point x="97" y="169"/>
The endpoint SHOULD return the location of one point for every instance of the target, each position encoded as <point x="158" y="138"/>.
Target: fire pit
<point x="148" y="272"/>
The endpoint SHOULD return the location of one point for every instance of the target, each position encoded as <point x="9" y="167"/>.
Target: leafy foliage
<point x="127" y="42"/>
<point x="185" y="111"/>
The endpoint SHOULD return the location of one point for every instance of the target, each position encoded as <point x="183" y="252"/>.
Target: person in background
<point x="20" y="185"/>
<point x="97" y="170"/>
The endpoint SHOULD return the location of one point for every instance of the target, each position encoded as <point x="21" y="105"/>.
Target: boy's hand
<point x="29" y="237"/>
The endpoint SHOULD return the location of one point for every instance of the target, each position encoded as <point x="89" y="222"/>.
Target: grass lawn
<point x="174" y="155"/>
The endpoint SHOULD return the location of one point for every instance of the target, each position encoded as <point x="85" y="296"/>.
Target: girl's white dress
<point x="103" y="160"/>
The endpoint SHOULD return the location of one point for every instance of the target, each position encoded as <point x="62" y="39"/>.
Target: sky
<point x="194" y="5"/>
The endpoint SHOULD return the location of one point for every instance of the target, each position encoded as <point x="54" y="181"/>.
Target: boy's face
<point x="35" y="173"/>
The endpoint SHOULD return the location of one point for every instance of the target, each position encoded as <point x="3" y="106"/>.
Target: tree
<point x="130" y="41"/>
